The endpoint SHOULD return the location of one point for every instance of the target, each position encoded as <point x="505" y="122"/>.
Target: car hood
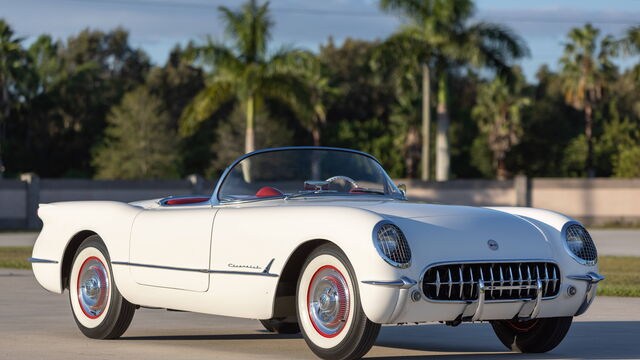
<point x="462" y="233"/>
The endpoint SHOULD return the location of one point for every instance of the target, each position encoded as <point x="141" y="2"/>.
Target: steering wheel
<point x="352" y="182"/>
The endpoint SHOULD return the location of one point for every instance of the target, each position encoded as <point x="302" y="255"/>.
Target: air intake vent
<point x="500" y="281"/>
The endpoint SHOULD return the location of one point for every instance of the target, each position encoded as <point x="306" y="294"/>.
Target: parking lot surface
<point x="35" y="324"/>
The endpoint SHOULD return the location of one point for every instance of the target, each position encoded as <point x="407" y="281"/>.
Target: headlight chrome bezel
<point x="386" y="257"/>
<point x="573" y="255"/>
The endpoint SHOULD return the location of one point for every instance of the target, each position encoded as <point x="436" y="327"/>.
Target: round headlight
<point x="580" y="244"/>
<point x="392" y="245"/>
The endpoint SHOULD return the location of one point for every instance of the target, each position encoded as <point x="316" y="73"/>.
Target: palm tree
<point x="631" y="46"/>
<point x="313" y="113"/>
<point x="245" y="71"/>
<point x="497" y="112"/>
<point x="586" y="70"/>
<point x="442" y="30"/>
<point x="13" y="70"/>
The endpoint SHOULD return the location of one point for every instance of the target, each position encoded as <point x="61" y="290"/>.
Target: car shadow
<point x="585" y="340"/>
<point x="263" y="335"/>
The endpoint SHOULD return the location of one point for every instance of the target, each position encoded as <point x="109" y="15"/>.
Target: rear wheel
<point x="328" y="304"/>
<point x="532" y="336"/>
<point x="98" y="308"/>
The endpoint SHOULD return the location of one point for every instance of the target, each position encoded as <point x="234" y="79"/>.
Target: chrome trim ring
<point x="93" y="287"/>
<point x="376" y="244"/>
<point x="563" y="235"/>
<point x="328" y="301"/>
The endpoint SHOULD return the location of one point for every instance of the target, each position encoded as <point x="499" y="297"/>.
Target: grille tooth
<point x="500" y="277"/>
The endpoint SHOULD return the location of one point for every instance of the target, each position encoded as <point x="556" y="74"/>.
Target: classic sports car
<point x="319" y="240"/>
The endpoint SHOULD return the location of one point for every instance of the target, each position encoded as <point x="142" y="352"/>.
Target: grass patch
<point x="15" y="257"/>
<point x="622" y="273"/>
<point x="622" y="276"/>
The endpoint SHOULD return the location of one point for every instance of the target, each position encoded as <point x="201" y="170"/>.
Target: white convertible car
<point x="319" y="240"/>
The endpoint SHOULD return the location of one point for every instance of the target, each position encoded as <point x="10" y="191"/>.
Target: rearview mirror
<point x="403" y="189"/>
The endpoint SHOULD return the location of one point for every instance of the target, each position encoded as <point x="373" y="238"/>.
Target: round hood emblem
<point x="493" y="245"/>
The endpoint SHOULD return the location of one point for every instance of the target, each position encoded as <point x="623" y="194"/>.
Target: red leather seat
<point x="184" y="201"/>
<point x="268" y="191"/>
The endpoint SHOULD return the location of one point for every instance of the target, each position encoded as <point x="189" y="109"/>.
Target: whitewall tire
<point x="328" y="306"/>
<point x="97" y="306"/>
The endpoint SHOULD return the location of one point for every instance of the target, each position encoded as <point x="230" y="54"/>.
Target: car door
<point x="171" y="247"/>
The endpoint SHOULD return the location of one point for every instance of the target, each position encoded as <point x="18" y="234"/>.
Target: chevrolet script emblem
<point x="493" y="245"/>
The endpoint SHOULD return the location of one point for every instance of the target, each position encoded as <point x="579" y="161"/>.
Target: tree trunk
<point x="4" y="117"/>
<point x="442" y="137"/>
<point x="249" y="139"/>
<point x="426" y="121"/>
<point x="588" y="132"/>
<point x="315" y="133"/>
<point x="501" y="169"/>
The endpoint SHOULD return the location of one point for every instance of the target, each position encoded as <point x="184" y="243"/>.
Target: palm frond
<point x="203" y="105"/>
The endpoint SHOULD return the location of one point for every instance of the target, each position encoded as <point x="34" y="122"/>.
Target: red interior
<point x="183" y="201"/>
<point x="358" y="191"/>
<point x="268" y="191"/>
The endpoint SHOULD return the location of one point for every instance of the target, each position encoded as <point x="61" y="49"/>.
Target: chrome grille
<point x="501" y="281"/>
<point x="580" y="243"/>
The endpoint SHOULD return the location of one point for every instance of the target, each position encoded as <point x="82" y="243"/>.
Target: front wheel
<point x="532" y="336"/>
<point x="98" y="308"/>
<point x="331" y="318"/>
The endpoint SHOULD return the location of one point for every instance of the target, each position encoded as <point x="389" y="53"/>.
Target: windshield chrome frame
<point x="215" y="200"/>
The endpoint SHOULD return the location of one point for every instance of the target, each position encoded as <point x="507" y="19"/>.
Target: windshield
<point x="306" y="172"/>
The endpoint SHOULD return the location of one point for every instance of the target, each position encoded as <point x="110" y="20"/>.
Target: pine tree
<point x="139" y="143"/>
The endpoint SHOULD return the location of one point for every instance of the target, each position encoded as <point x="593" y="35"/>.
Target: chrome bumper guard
<point x="522" y="314"/>
<point x="592" y="280"/>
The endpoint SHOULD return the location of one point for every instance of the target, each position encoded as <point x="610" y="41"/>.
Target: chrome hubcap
<point x="328" y="301"/>
<point x="93" y="287"/>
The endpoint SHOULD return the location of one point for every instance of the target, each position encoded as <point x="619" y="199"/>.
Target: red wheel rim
<point x="93" y="287"/>
<point x="328" y="301"/>
<point x="522" y="326"/>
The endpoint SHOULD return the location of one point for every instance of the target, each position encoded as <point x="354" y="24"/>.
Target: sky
<point x="157" y="25"/>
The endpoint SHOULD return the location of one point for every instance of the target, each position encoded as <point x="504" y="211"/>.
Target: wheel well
<point x="70" y="252"/>
<point x="284" y="303"/>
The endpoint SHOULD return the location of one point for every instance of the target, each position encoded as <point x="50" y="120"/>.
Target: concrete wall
<point x="594" y="201"/>
<point x="13" y="204"/>
<point x="462" y="192"/>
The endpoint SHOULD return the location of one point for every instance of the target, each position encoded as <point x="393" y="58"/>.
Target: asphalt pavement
<point x="616" y="242"/>
<point x="35" y="324"/>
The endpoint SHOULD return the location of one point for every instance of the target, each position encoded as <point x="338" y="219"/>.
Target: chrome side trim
<point x="41" y="261"/>
<point x="403" y="283"/>
<point x="204" y="271"/>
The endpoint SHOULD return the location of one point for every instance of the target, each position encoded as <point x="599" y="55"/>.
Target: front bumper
<point x="574" y="298"/>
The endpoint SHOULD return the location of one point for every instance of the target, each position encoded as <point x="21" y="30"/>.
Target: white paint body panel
<point x="179" y="238"/>
<point x="245" y="237"/>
